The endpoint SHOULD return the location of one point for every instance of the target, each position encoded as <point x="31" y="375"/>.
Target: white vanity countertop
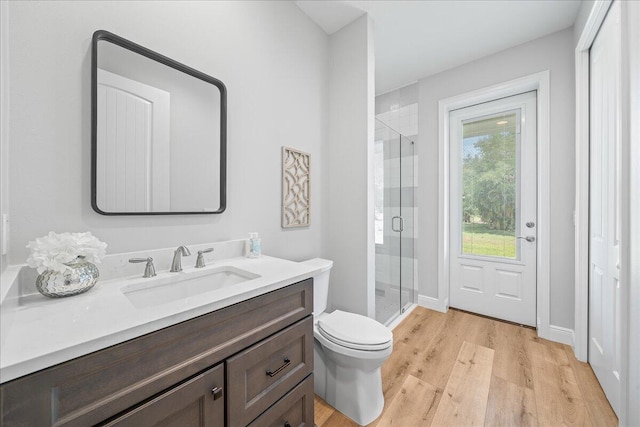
<point x="37" y="332"/>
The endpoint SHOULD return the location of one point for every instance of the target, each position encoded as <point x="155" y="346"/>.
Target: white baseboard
<point x="561" y="335"/>
<point x="552" y="333"/>
<point x="432" y="303"/>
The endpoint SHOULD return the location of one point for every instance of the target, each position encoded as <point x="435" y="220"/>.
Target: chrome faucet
<point x="176" y="264"/>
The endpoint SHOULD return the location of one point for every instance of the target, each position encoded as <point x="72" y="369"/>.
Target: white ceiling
<point x="415" y="39"/>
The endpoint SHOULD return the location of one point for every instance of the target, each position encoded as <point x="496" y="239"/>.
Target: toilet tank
<point x="320" y="283"/>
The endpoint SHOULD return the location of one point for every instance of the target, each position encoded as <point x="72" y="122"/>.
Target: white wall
<point x="274" y="62"/>
<point x="554" y="53"/>
<point x="350" y="232"/>
<point x="4" y="123"/>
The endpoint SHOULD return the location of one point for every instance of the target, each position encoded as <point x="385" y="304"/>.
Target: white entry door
<point x="604" y="211"/>
<point x="493" y="203"/>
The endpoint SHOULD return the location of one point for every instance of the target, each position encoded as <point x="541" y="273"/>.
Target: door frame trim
<point x="581" y="213"/>
<point x="540" y="83"/>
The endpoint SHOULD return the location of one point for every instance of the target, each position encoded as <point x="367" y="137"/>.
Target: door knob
<point x="527" y="238"/>
<point x="530" y="224"/>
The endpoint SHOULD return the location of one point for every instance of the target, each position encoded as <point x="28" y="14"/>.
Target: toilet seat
<point x="354" y="331"/>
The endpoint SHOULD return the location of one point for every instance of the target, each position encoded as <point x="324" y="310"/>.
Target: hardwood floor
<point x="459" y="369"/>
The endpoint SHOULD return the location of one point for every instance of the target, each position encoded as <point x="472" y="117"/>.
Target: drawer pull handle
<point x="217" y="393"/>
<point x="284" y="365"/>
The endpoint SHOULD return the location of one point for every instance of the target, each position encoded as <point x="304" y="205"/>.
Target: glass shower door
<point x="393" y="222"/>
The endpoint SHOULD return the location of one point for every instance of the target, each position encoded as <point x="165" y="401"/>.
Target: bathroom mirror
<point x="158" y="133"/>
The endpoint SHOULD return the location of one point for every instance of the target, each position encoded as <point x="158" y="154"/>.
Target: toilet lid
<point x="355" y="331"/>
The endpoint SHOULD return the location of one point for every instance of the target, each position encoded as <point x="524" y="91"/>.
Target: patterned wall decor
<point x="296" y="188"/>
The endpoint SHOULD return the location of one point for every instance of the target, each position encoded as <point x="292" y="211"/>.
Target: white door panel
<point x="493" y="208"/>
<point x="133" y="146"/>
<point x="604" y="215"/>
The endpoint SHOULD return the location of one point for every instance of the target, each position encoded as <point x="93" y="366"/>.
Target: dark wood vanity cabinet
<point x="294" y="409"/>
<point x="197" y="402"/>
<point x="263" y="373"/>
<point x="247" y="364"/>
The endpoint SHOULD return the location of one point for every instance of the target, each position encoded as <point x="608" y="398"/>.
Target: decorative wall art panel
<point x="296" y="188"/>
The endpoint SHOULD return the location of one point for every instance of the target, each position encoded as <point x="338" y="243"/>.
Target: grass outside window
<point x="479" y="239"/>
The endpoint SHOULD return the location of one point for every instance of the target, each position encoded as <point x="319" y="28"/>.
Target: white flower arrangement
<point x="54" y="250"/>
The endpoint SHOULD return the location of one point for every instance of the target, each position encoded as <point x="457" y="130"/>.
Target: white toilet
<point x="349" y="350"/>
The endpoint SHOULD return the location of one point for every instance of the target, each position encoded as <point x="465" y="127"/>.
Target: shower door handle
<point x="393" y="224"/>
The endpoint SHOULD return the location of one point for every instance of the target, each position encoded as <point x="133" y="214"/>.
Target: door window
<point x="489" y="185"/>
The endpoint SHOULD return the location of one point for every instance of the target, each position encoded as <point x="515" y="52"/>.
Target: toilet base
<point x="357" y="393"/>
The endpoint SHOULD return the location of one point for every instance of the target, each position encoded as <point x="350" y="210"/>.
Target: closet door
<point x="604" y="215"/>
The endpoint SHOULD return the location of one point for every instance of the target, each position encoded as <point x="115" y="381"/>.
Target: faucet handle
<point x="200" y="260"/>
<point x="149" y="269"/>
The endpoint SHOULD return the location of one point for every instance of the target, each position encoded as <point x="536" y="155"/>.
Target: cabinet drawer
<point x="295" y="409"/>
<point x="260" y="375"/>
<point x="192" y="403"/>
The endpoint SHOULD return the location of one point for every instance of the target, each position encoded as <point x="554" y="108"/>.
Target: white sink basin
<point x="170" y="287"/>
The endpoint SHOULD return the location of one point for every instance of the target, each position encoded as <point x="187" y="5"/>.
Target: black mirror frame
<point x="124" y="43"/>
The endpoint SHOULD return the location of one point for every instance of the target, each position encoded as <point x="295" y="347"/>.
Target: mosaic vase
<point x="78" y="278"/>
